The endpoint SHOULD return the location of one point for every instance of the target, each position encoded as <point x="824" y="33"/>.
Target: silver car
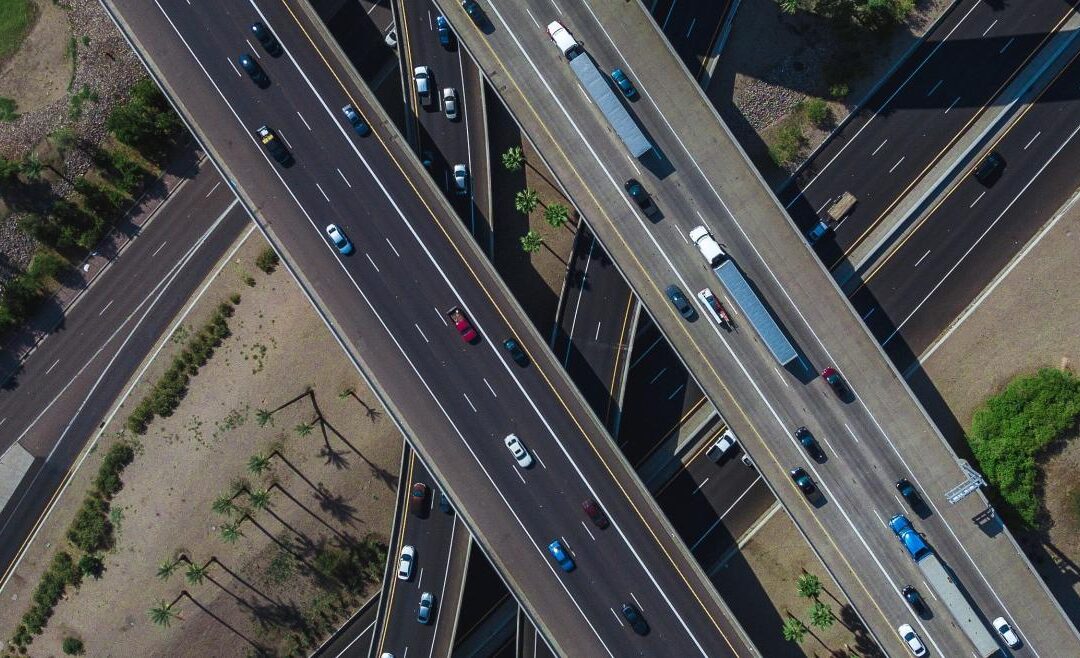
<point x="405" y="564"/>
<point x="461" y="179"/>
<point x="450" y="104"/>
<point x="521" y="455"/>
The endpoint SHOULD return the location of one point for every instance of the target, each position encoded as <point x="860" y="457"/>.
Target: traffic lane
<point x="452" y="590"/>
<point x="756" y="365"/>
<point x="591" y="336"/>
<point x="366" y="25"/>
<point x="660" y="396"/>
<point x="430" y="532"/>
<point x="937" y="106"/>
<point x="60" y="431"/>
<point x="976" y="230"/>
<point x="659" y="552"/>
<point x="692" y="28"/>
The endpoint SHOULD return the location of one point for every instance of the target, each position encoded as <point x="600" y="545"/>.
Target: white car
<point x="422" y="77"/>
<point x="707" y="245"/>
<point x="449" y="103"/>
<point x="521" y="455"/>
<point x="725" y="444"/>
<point x="711" y="304"/>
<point x="461" y="179"/>
<point x="912" y="640"/>
<point x="1006" y="632"/>
<point x="391" y="38"/>
<point x="405" y="565"/>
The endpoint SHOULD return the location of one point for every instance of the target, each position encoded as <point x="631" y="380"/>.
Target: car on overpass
<point x="911" y="639"/>
<point x="807" y="440"/>
<point x="427" y="608"/>
<point x="624" y="84"/>
<point x="406" y="562"/>
<point x="521" y="455"/>
<point x="836" y="381"/>
<point x="422" y="79"/>
<point x="254" y="71"/>
<point x="272" y="143"/>
<point x="803" y="481"/>
<point x="354" y="119"/>
<point x="634" y="618"/>
<point x="637" y="192"/>
<point x="266" y="38"/>
<point x="560" y="556"/>
<point x="461" y="179"/>
<point x="338" y="238"/>
<point x="679" y="301"/>
<point x="443" y="27"/>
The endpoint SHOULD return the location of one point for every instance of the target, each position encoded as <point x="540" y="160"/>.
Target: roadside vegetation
<point x="16" y="19"/>
<point x="1013" y="429"/>
<point x="556" y="215"/>
<point x="144" y="129"/>
<point x="789" y="135"/>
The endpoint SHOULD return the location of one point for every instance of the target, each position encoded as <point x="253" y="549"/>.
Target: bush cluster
<point x="167" y="392"/>
<point x="352" y="566"/>
<point x="107" y="482"/>
<point x="91" y="529"/>
<point x="267" y="260"/>
<point x="61" y="573"/>
<point x="1009" y="431"/>
<point x="145" y="122"/>
<point x="23" y="291"/>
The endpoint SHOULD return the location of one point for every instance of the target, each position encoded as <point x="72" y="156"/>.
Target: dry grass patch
<point x="34" y="65"/>
<point x="254" y="516"/>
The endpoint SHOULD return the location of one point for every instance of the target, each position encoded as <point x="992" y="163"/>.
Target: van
<point x="564" y="40"/>
<point x="708" y="247"/>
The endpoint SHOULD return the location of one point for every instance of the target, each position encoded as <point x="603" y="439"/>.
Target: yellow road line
<point x="406" y="489"/>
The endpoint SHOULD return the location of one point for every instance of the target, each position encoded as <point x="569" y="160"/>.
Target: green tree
<point x="230" y="533"/>
<point x="794" y="630"/>
<point x="821" y="615"/>
<point x="72" y="646"/>
<point x="167" y="568"/>
<point x="31" y="167"/>
<point x="530" y="242"/>
<point x="162" y="614"/>
<point x="259" y="499"/>
<point x="91" y="565"/>
<point x="223" y="504"/>
<point x="789" y="6"/>
<point x="346" y="392"/>
<point x="525" y="201"/>
<point x="258" y="463"/>
<point x="818" y="112"/>
<point x="195" y="573"/>
<point x="556" y="214"/>
<point x="9" y="169"/>
<point x="304" y="429"/>
<point x="513" y="158"/>
<point x="809" y="586"/>
<point x="262" y="417"/>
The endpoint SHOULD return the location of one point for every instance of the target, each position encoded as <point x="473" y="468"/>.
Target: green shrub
<point x="16" y="17"/>
<point x="72" y="646"/>
<point x="267" y="260"/>
<point x="7" y="109"/>
<point x="789" y="141"/>
<point x="91" y="530"/>
<point x="1009" y="431"/>
<point x="818" y="112"/>
<point x="91" y="565"/>
<point x="107" y="482"/>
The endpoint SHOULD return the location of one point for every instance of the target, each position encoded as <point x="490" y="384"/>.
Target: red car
<point x="418" y="498"/>
<point x="464" y="327"/>
<point x="592" y="509"/>
<point x="835" y="380"/>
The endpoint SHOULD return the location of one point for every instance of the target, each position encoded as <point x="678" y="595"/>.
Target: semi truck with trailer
<point x="941" y="581"/>
<point x="600" y="91"/>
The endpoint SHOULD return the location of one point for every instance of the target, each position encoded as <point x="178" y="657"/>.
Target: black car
<point x="637" y="192"/>
<point x="273" y="144"/>
<point x="516" y="353"/>
<point x="679" y="301"/>
<point x="803" y="436"/>
<point x="989" y="170"/>
<point x="910" y="494"/>
<point x="252" y="68"/>
<point x="444" y="504"/>
<point x="264" y="36"/>
<point x="803" y="481"/>
<point x="637" y="622"/>
<point x="911" y="595"/>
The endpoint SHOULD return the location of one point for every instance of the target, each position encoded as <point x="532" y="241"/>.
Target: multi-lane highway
<point x="973" y="230"/>
<point x="913" y="119"/>
<point x="59" y="397"/>
<point x="388" y="300"/>
<point x="699" y="176"/>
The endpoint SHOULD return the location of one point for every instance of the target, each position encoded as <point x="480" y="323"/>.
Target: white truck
<point x="707" y="245"/>
<point x="599" y="90"/>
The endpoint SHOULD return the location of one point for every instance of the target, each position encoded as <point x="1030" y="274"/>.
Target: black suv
<point x="914" y="600"/>
<point x="269" y="139"/>
<point x="637" y="192"/>
<point x="989" y="170"/>
<point x="264" y="36"/>
<point x="808" y="441"/>
<point x="910" y="494"/>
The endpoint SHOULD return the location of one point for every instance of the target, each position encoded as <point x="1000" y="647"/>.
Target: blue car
<point x="679" y="301"/>
<point x="338" y="238"/>
<point x="561" y="557"/>
<point x="254" y="71"/>
<point x="443" y="26"/>
<point x="624" y="84"/>
<point x="355" y="121"/>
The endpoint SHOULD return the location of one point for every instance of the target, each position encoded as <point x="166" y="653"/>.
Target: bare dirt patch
<point x="1038" y="299"/>
<point x="535" y="279"/>
<point x="38" y="73"/>
<point x="759" y="583"/>
<point x="755" y="87"/>
<point x="331" y="483"/>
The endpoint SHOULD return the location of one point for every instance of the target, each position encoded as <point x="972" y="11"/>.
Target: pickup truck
<point x="464" y="327"/>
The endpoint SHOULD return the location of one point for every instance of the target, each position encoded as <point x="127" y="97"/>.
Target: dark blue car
<point x="624" y="84"/>
<point x="443" y="26"/>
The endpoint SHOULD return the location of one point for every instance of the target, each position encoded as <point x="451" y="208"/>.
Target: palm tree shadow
<point x="371" y="412"/>
<point x="235" y="576"/>
<point x="319" y="494"/>
<point x="258" y="648"/>
<point x="388" y="478"/>
<point x="336" y="506"/>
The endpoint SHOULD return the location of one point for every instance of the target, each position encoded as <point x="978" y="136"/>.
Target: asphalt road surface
<point x="876" y="435"/>
<point x="973" y="230"/>
<point x="925" y="106"/>
<point x="692" y="27"/>
<point x="57" y="401"/>
<point x="354" y="638"/>
<point x="412" y="262"/>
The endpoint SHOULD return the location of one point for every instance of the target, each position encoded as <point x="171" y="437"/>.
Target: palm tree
<point x="789" y="6"/>
<point x="161" y="614"/>
<point x="31" y="167"/>
<point x="513" y="158"/>
<point x="304" y="429"/>
<point x="165" y="571"/>
<point x="556" y="214"/>
<point x="230" y="533"/>
<point x="259" y="499"/>
<point x="196" y="573"/>
<point x="262" y="417"/>
<point x="809" y="586"/>
<point x="794" y="630"/>
<point x="821" y="615"/>
<point x="223" y="504"/>
<point x="525" y="201"/>
<point x="346" y="392"/>
<point x="530" y="242"/>
<point x="258" y="463"/>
